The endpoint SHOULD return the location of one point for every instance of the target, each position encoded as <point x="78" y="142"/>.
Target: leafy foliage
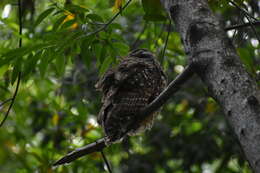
<point x="64" y="51"/>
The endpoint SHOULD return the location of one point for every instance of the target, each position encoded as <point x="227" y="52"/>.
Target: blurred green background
<point x="61" y="60"/>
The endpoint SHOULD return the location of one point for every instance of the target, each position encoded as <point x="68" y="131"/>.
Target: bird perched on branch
<point x="127" y="89"/>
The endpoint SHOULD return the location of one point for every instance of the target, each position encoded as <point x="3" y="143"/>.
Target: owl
<point x="127" y="89"/>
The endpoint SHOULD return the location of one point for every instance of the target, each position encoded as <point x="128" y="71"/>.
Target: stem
<point x="106" y="162"/>
<point x="166" y="41"/>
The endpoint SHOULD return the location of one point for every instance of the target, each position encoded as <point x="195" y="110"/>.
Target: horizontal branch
<point x="79" y="152"/>
<point x="256" y="23"/>
<point x="172" y="88"/>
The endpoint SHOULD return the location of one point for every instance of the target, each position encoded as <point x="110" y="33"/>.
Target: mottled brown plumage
<point x="127" y="89"/>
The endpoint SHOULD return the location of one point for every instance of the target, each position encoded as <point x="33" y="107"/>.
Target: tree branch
<point x="79" y="152"/>
<point x="221" y="70"/>
<point x="256" y="23"/>
<point x="172" y="88"/>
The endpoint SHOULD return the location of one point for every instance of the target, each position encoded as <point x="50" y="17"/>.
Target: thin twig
<point x="19" y="74"/>
<point x="105" y="25"/>
<point x="99" y="145"/>
<point x="256" y="23"/>
<point x="248" y="17"/>
<point x="253" y="28"/>
<point x="243" y="10"/>
<point x="159" y="36"/>
<point x="166" y="41"/>
<point x="139" y="36"/>
<point x="6" y="101"/>
<point x="106" y="161"/>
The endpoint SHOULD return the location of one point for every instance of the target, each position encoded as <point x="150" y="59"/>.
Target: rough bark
<point x="221" y="70"/>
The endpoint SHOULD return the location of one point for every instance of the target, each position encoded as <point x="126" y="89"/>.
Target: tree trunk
<point x="221" y="70"/>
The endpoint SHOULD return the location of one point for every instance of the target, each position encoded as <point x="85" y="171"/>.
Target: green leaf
<point x="60" y="64"/>
<point x="153" y="10"/>
<point x="69" y="41"/>
<point x="85" y="50"/>
<point x="58" y="22"/>
<point x="86" y="55"/>
<point x="58" y="12"/>
<point x="103" y="35"/>
<point x="246" y="55"/>
<point x="76" y="8"/>
<point x="30" y="63"/>
<point x="68" y="23"/>
<point x="97" y="49"/>
<point x="94" y="17"/>
<point x="45" y="60"/>
<point x="122" y="48"/>
<point x="11" y="55"/>
<point x="154" y="17"/>
<point x="193" y="127"/>
<point x="16" y="70"/>
<point x="114" y="26"/>
<point x="106" y="63"/>
<point x="43" y="15"/>
<point x="86" y="41"/>
<point x="103" y="53"/>
<point x="116" y="36"/>
<point x="100" y="51"/>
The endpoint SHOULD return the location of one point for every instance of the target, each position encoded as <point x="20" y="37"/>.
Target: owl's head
<point x="141" y="53"/>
